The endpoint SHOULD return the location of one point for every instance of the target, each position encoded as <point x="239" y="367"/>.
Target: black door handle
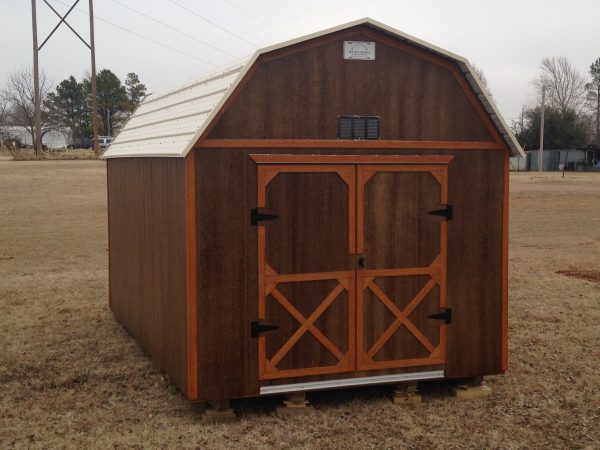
<point x="256" y="328"/>
<point x="362" y="262"/>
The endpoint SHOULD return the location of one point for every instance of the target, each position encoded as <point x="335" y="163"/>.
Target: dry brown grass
<point x="70" y="377"/>
<point x="27" y="154"/>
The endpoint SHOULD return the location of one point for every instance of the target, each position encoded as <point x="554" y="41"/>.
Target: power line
<point x="183" y="6"/>
<point x="223" y="22"/>
<point x="264" y="22"/>
<point x="175" y="29"/>
<point x="156" y="42"/>
<point x="142" y="36"/>
<point x="211" y="19"/>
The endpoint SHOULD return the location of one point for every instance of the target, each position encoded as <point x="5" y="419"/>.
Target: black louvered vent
<point x="372" y="127"/>
<point x="345" y="127"/>
<point x="358" y="127"/>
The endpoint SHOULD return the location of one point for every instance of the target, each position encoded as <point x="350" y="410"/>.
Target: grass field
<point x="70" y="377"/>
<point x="27" y="154"/>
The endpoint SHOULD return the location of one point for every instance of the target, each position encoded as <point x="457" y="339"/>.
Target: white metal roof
<point x="170" y="123"/>
<point x="166" y="124"/>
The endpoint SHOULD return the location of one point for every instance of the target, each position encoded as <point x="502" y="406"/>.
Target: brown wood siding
<point x="299" y="95"/>
<point x="147" y="245"/>
<point x="227" y="267"/>
<point x="475" y="264"/>
<point x="227" y="290"/>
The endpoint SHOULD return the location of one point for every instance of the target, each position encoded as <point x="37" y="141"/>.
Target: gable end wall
<point x="298" y="92"/>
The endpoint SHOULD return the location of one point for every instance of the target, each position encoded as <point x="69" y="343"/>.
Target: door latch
<point x="446" y="212"/>
<point x="446" y="316"/>
<point x="362" y="262"/>
<point x="256" y="328"/>
<point x="257" y="216"/>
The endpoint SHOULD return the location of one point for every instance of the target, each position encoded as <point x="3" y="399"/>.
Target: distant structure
<point x="575" y="159"/>
<point x="331" y="213"/>
<point x="59" y="138"/>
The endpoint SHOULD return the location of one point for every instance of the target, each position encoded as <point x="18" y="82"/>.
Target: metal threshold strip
<point x="349" y="382"/>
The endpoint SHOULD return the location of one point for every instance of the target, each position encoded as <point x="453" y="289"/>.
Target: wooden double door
<point x="351" y="263"/>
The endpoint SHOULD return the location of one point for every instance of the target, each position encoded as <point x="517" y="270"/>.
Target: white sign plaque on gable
<point x="359" y="50"/>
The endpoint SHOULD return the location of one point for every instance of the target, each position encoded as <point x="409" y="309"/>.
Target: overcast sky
<point x="507" y="39"/>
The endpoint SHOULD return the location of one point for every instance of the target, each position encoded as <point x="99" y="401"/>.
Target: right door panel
<point x="401" y="280"/>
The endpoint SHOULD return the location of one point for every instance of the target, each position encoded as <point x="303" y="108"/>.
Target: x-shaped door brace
<point x="307" y="323"/>
<point x="402" y="315"/>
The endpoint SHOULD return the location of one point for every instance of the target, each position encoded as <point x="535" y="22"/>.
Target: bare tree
<point x="3" y="119"/>
<point x="19" y="95"/>
<point x="565" y="85"/>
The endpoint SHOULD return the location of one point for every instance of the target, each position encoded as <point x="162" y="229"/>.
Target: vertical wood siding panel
<point x="147" y="256"/>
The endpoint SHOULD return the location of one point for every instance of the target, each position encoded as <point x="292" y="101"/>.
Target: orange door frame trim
<point x="437" y="271"/>
<point x="268" y="279"/>
<point x="355" y="170"/>
<point x="505" y="194"/>
<point x="192" y="277"/>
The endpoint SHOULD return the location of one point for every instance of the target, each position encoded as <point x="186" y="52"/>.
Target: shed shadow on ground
<point x="336" y="398"/>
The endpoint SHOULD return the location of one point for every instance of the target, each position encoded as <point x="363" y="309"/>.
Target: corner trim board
<point x="505" y="195"/>
<point x="108" y="232"/>
<point x="191" y="277"/>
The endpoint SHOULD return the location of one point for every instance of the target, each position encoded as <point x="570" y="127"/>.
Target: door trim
<point x="268" y="279"/>
<point x="267" y="172"/>
<point x="355" y="171"/>
<point x="436" y="270"/>
<point x="365" y="172"/>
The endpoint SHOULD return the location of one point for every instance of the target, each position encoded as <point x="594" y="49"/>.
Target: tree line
<point x="69" y="104"/>
<point x="572" y="107"/>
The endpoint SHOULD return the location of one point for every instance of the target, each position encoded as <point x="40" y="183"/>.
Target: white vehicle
<point x="103" y="141"/>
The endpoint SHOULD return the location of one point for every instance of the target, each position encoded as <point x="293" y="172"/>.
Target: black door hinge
<point x="256" y="328"/>
<point x="446" y="212"/>
<point x="256" y="216"/>
<point x="446" y="316"/>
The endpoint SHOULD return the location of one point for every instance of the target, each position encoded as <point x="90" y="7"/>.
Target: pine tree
<point x="111" y="99"/>
<point x="68" y="105"/>
<point x="135" y="90"/>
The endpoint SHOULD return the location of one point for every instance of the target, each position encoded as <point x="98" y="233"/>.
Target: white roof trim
<point x="464" y="64"/>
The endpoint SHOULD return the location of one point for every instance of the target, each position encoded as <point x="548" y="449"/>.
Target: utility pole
<point x="94" y="96"/>
<point x="541" y="150"/>
<point x="36" y="50"/>
<point x="37" y="138"/>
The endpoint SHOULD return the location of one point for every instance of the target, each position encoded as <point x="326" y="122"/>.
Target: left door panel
<point x="306" y="269"/>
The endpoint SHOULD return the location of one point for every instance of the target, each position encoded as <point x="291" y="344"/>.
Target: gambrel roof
<point x="170" y="123"/>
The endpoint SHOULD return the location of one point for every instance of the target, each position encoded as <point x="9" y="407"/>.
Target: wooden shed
<point x="331" y="213"/>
